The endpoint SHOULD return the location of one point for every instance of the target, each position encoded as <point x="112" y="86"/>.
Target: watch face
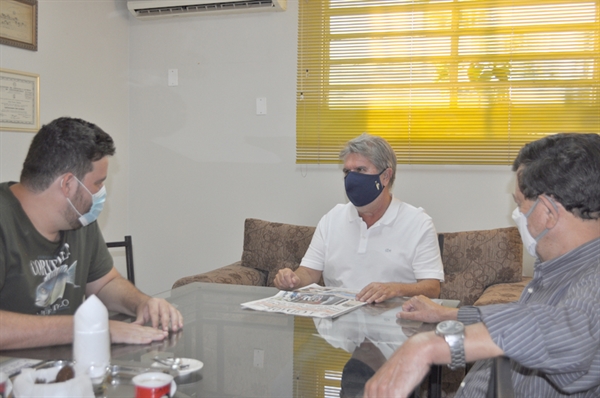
<point x="450" y="327"/>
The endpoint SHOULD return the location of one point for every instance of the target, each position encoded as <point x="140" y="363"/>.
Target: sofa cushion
<point x="474" y="260"/>
<point x="270" y="246"/>
<point x="503" y="292"/>
<point x="233" y="274"/>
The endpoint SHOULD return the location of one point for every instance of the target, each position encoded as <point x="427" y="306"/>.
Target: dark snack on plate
<point x="64" y="374"/>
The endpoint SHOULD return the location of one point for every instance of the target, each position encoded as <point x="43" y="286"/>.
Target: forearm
<point x="378" y="292"/>
<point x="411" y="362"/>
<point x="478" y="344"/>
<point x="117" y="293"/>
<point x="426" y="287"/>
<point x="307" y="276"/>
<point x="27" y="331"/>
<point x="121" y="296"/>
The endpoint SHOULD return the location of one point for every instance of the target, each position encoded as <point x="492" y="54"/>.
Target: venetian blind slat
<point x="444" y="81"/>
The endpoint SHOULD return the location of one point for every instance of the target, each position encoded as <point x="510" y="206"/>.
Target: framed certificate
<point x="19" y="101"/>
<point x="18" y="23"/>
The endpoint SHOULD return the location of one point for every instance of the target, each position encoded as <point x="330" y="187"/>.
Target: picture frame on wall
<point x="19" y="101"/>
<point x="19" y="23"/>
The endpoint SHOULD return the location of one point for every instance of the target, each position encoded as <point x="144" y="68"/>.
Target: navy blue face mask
<point x="362" y="189"/>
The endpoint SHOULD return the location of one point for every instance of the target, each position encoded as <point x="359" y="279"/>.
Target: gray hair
<point x="376" y="149"/>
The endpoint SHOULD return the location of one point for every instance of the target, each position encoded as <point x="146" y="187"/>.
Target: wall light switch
<point x="173" y="78"/>
<point x="259" y="358"/>
<point x="261" y="106"/>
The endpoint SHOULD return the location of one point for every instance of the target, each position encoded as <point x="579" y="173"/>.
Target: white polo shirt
<point x="401" y="247"/>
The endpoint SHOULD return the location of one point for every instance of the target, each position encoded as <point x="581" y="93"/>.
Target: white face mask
<point x="520" y="219"/>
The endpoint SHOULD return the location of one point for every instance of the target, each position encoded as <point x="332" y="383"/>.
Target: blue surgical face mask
<point x="98" y="200"/>
<point x="362" y="189"/>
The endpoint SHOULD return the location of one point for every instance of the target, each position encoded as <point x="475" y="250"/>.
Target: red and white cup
<point x="5" y="385"/>
<point x="154" y="385"/>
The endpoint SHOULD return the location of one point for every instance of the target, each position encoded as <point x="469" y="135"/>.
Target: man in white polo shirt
<point x="375" y="244"/>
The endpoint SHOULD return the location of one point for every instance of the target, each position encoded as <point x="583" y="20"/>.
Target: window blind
<point x="445" y="81"/>
<point x="319" y="373"/>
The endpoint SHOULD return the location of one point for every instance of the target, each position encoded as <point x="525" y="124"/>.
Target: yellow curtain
<point x="445" y="81"/>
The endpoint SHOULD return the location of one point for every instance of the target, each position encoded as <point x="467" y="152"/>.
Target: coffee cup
<point x="154" y="385"/>
<point x="5" y="385"/>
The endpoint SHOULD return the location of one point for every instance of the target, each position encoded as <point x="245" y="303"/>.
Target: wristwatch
<point x="454" y="334"/>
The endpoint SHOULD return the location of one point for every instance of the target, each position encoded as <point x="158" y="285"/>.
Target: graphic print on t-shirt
<point x="57" y="273"/>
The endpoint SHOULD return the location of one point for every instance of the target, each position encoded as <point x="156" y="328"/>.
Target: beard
<point x="79" y="202"/>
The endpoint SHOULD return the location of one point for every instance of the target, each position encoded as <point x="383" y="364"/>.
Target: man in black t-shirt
<point x="52" y="253"/>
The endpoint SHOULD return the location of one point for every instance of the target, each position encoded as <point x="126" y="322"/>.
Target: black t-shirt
<point x="42" y="277"/>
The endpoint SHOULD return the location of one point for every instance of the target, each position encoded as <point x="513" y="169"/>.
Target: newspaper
<point x="311" y="301"/>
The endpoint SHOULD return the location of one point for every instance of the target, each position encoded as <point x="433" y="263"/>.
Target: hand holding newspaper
<point x="312" y="301"/>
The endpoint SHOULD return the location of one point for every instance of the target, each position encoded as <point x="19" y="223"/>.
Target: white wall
<point x="83" y="64"/>
<point x="193" y="161"/>
<point x="202" y="160"/>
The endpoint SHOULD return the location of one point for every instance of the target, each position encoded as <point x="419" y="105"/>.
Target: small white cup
<point x="5" y="385"/>
<point x="154" y="385"/>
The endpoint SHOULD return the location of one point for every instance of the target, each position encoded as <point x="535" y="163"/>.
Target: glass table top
<point x="247" y="353"/>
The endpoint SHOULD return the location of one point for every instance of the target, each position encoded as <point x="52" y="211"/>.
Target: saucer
<point x="192" y="365"/>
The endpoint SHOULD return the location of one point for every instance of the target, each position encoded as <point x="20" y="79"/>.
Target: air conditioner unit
<point x="150" y="9"/>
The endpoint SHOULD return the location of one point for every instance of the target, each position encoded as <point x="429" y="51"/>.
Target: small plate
<point x="193" y="365"/>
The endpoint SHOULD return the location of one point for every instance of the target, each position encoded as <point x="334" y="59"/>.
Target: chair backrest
<point x="500" y="385"/>
<point x="128" y="255"/>
<point x="271" y="246"/>
<point x="475" y="260"/>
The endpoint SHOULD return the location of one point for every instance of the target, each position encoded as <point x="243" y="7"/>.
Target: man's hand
<point x="377" y="292"/>
<point x="118" y="294"/>
<point x="286" y="279"/>
<point x="132" y="333"/>
<point x="161" y="313"/>
<point x="405" y="369"/>
<point x="420" y="308"/>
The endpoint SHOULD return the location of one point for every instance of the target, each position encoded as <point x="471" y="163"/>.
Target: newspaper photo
<point x="311" y="301"/>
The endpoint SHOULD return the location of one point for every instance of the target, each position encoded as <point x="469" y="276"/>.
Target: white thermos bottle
<point x="91" y="340"/>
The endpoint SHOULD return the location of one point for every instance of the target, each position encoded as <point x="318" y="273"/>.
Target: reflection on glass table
<point x="247" y="353"/>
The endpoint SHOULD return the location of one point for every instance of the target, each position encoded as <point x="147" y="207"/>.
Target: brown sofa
<point x="481" y="267"/>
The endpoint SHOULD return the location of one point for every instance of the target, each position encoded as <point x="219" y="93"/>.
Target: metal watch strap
<point x="454" y="334"/>
<point x="457" y="354"/>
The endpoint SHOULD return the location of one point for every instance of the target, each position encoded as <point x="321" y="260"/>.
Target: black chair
<point x="500" y="379"/>
<point x="128" y="255"/>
